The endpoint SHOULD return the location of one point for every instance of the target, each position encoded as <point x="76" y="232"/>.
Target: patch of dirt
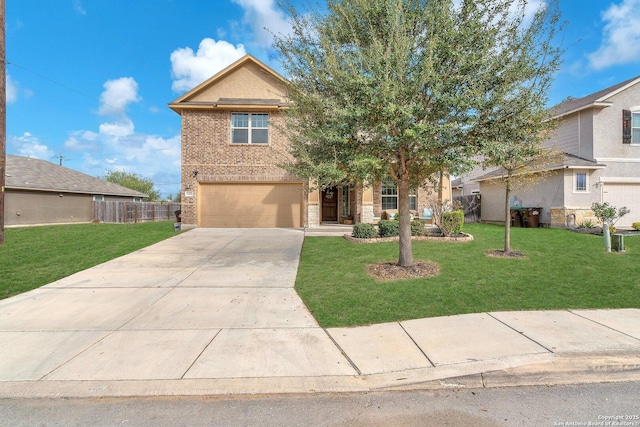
<point x="497" y="253"/>
<point x="390" y="271"/>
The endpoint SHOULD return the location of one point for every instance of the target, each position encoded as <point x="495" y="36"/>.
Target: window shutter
<point x="626" y="126"/>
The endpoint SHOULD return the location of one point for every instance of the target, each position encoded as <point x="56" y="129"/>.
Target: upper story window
<point x="630" y="127"/>
<point x="250" y="128"/>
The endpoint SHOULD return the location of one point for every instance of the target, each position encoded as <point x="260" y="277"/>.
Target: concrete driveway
<point x="214" y="311"/>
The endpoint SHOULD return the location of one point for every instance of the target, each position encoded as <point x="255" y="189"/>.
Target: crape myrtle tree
<point x="409" y="87"/>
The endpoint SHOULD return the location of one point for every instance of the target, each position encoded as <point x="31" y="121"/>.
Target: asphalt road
<point x="612" y="404"/>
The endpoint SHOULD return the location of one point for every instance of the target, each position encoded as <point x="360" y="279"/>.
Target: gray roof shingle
<point x="26" y="173"/>
<point x="576" y="104"/>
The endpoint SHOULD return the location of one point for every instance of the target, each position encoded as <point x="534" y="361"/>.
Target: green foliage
<point x="35" y="256"/>
<point x="418" y="227"/>
<point x="388" y="228"/>
<point x="363" y="231"/>
<point x="134" y="182"/>
<point x="586" y="224"/>
<point x="408" y="88"/>
<point x="636" y="226"/>
<point x="607" y="213"/>
<point x="452" y="223"/>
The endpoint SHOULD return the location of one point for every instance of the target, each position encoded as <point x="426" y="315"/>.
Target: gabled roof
<point x="569" y="161"/>
<point x="597" y="99"/>
<point x="25" y="173"/>
<point x="191" y="98"/>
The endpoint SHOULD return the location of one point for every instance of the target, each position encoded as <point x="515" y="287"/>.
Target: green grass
<point x="562" y="270"/>
<point x="34" y="256"/>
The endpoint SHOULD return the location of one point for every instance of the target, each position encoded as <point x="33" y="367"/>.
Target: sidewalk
<point x="214" y="312"/>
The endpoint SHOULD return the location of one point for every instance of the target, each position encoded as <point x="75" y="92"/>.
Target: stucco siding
<point x="608" y="126"/>
<point x="39" y="207"/>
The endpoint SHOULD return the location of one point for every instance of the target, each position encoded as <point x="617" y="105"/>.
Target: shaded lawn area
<point x="562" y="270"/>
<point x="34" y="256"/>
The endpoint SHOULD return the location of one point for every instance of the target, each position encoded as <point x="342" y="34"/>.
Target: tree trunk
<point x="507" y="217"/>
<point x="406" y="254"/>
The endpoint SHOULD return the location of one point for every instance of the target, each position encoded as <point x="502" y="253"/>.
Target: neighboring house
<point x="232" y="150"/>
<point x="600" y="136"/>
<point x="41" y="192"/>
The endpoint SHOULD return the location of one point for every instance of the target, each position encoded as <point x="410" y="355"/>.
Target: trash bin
<point x="516" y="220"/>
<point x="177" y="226"/>
<point x="617" y="242"/>
<point x="533" y="217"/>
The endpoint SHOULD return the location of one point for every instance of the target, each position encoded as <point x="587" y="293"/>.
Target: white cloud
<point x="77" y="6"/>
<point x="11" y="90"/>
<point x="117" y="95"/>
<point x="190" y="69"/>
<point x="119" y="129"/>
<point x="28" y="145"/>
<point x="264" y="18"/>
<point x="621" y="36"/>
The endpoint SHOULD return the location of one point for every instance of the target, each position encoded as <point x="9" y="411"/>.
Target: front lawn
<point x="34" y="256"/>
<point x="562" y="270"/>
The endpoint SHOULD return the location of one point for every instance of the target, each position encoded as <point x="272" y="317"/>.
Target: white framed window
<point x="413" y="200"/>
<point x="98" y="198"/>
<point x="346" y="207"/>
<point x="137" y="199"/>
<point x="249" y="128"/>
<point x="635" y="128"/>
<point x="389" y="194"/>
<point x="581" y="182"/>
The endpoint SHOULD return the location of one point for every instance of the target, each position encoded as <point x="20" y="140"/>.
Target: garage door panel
<point x="620" y="195"/>
<point x="250" y="205"/>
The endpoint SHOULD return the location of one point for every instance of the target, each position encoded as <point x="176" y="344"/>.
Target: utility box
<point x="617" y="242"/>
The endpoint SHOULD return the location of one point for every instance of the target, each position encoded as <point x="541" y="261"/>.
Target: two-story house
<point x="600" y="136"/>
<point x="232" y="156"/>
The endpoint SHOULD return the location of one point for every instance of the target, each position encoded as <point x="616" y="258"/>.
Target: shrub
<point x="587" y="224"/>
<point x="607" y="213"/>
<point x="417" y="227"/>
<point x="636" y="225"/>
<point x="388" y="228"/>
<point x="452" y="223"/>
<point x="363" y="231"/>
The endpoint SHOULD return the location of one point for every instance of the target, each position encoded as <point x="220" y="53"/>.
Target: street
<point x="612" y="404"/>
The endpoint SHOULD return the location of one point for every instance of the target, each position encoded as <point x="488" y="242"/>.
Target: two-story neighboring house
<point x="600" y="136"/>
<point x="233" y="150"/>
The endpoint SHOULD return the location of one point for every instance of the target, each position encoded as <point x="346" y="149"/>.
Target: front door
<point x="330" y="204"/>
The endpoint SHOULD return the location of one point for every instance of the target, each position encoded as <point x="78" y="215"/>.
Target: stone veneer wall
<point x="559" y="216"/>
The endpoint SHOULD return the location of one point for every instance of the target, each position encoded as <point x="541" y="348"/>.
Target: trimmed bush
<point x="417" y="227"/>
<point x="636" y="225"/>
<point x="452" y="223"/>
<point x="363" y="231"/>
<point x="388" y="228"/>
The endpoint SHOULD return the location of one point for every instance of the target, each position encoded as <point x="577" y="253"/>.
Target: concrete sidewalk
<point x="214" y="312"/>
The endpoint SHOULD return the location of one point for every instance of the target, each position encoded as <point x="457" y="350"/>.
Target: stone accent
<point x="559" y="216"/>
<point x="313" y="216"/>
<point x="367" y="214"/>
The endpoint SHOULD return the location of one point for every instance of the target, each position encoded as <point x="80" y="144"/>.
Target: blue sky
<point x="90" y="80"/>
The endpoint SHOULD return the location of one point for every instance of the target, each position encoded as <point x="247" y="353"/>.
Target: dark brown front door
<point x="330" y="204"/>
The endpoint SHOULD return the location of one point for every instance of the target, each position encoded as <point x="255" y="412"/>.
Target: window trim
<point x="391" y="185"/>
<point x="249" y="128"/>
<point x="635" y="114"/>
<point x="576" y="174"/>
<point x="345" y="204"/>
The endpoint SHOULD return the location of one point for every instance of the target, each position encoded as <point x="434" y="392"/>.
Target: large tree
<point x="413" y="86"/>
<point x="133" y="181"/>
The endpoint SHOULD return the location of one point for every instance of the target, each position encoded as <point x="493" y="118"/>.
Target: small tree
<point x="134" y="182"/>
<point x="608" y="214"/>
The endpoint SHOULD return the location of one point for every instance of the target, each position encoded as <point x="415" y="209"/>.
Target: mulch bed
<point x="390" y="271"/>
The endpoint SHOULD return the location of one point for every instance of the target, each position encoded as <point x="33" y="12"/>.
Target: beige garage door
<point x="628" y="195"/>
<point x="250" y="205"/>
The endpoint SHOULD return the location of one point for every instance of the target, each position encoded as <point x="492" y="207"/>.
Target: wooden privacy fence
<point x="470" y="206"/>
<point x="131" y="212"/>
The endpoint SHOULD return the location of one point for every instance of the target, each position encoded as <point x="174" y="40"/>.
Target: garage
<point x="250" y="205"/>
<point x="620" y="195"/>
